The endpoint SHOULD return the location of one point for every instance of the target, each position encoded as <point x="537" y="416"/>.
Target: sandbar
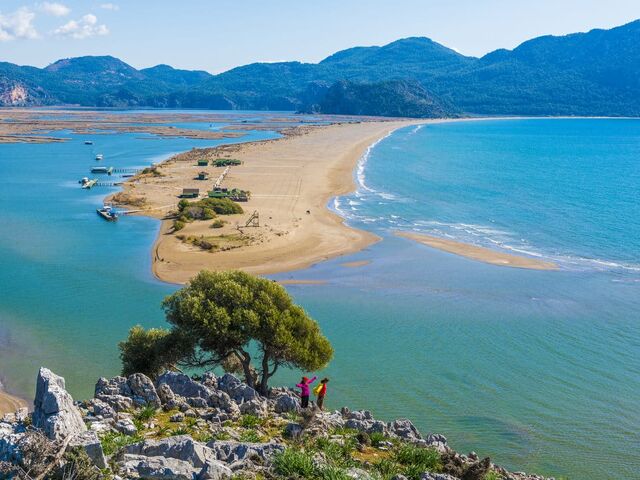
<point x="480" y="254"/>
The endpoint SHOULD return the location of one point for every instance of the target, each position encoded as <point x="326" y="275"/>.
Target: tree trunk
<point x="245" y="360"/>
<point x="265" y="375"/>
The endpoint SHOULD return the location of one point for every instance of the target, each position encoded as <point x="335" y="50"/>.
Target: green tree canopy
<point x="220" y="317"/>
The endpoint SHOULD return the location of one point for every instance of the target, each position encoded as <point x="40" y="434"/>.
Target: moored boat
<point x="99" y="156"/>
<point x="107" y="170"/>
<point x="108" y="213"/>
<point x="87" y="182"/>
<point x="88" y="142"/>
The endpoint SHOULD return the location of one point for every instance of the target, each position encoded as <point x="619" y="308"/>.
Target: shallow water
<point x="540" y="370"/>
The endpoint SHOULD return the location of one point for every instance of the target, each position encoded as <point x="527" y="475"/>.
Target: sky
<point x="216" y="35"/>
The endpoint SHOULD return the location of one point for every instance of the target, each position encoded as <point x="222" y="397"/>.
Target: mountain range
<point x="593" y="73"/>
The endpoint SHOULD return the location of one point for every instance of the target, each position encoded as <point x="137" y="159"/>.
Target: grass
<point x="250" y="421"/>
<point x="181" y="430"/>
<point x="294" y="463"/>
<point x="145" y="414"/>
<point x="251" y="436"/>
<point x="112" y="441"/>
<point x="339" y="455"/>
<point x="492" y="476"/>
<point x="377" y="438"/>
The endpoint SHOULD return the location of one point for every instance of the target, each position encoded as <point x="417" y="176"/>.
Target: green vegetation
<point x="218" y="223"/>
<point x="204" y="209"/>
<point x="225" y="162"/>
<point x="294" y="463"/>
<point x="112" y="441"/>
<point x="218" y="315"/>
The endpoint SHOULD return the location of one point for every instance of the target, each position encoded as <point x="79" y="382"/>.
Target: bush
<point x="333" y="473"/>
<point x="363" y="438"/>
<point x="250" y="421"/>
<point x="251" y="436"/>
<point x="178" y="225"/>
<point x="112" y="441"/>
<point x="417" y="460"/>
<point x="338" y="454"/>
<point x="208" y="214"/>
<point x="294" y="463"/>
<point x="222" y="206"/>
<point x="377" y="438"/>
<point x="146" y="413"/>
<point x="218" y="223"/>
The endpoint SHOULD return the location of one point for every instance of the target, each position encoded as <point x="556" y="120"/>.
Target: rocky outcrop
<point x="54" y="412"/>
<point x="181" y="384"/>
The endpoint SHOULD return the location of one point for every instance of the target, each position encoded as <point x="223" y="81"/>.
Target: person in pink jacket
<point x="304" y="390"/>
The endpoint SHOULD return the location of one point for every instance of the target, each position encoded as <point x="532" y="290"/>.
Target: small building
<point x="202" y="176"/>
<point x="203" y="163"/>
<point x="190" y="193"/>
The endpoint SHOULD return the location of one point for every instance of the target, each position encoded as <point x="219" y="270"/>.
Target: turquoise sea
<point x="538" y="369"/>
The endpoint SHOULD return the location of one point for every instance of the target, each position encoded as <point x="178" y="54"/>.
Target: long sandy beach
<point x="291" y="181"/>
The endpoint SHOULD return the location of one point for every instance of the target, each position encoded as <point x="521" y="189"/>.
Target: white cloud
<point x="110" y="6"/>
<point x="55" y="9"/>
<point x="86" y="27"/>
<point x="18" y="24"/>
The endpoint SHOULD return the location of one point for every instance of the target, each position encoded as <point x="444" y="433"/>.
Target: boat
<point x="88" y="142"/>
<point x="99" y="156"/>
<point x="108" y="213"/>
<point x="104" y="170"/>
<point x="87" y="183"/>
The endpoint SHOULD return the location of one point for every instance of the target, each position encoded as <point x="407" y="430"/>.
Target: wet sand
<point x="480" y="254"/>
<point x="9" y="403"/>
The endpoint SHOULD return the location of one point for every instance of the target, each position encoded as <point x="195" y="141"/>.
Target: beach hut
<point x="203" y="163"/>
<point x="190" y="193"/>
<point x="203" y="176"/>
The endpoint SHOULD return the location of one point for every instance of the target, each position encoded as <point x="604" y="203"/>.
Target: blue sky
<point x="216" y="35"/>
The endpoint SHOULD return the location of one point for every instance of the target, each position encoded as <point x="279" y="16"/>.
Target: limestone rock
<point x="142" y="390"/>
<point x="230" y="452"/>
<point x="404" y="429"/>
<point x="90" y="443"/>
<point x="181" y="384"/>
<point x="100" y="408"/>
<point x="436" y="476"/>
<point x="10" y="437"/>
<point x="221" y="400"/>
<point x="240" y="392"/>
<point x="255" y="407"/>
<point x="477" y="470"/>
<point x="165" y="393"/>
<point x="126" y="426"/>
<point x="181" y="447"/>
<point x="54" y="412"/>
<point x="177" y="417"/>
<point x="119" y="403"/>
<point x="287" y="403"/>
<point x="113" y="386"/>
<point x="293" y="431"/>
<point x="359" y="474"/>
<point x="136" y="466"/>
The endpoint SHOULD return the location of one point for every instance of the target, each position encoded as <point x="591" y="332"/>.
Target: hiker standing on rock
<point x="304" y="390"/>
<point x="321" y="391"/>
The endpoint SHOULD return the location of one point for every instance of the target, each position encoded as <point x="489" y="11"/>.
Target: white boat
<point x="88" y="142"/>
<point x="108" y="213"/>
<point x="99" y="156"/>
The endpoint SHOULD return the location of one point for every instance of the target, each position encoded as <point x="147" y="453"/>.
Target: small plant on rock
<point x="294" y="463"/>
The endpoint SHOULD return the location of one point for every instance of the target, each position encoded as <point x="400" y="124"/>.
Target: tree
<point x="225" y="318"/>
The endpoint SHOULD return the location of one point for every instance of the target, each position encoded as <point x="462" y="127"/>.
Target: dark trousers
<point x="305" y="401"/>
<point x="320" y="401"/>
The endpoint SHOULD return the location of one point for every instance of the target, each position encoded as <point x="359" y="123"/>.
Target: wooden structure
<point x="190" y="193"/>
<point x="254" y="220"/>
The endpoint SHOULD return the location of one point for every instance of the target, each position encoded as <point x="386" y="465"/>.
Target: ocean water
<point x="538" y="369"/>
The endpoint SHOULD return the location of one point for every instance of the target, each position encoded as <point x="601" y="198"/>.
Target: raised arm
<point x="312" y="380"/>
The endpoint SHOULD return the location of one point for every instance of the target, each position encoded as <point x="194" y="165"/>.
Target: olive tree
<point x="223" y="318"/>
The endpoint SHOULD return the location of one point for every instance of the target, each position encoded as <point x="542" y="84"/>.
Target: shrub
<point x="146" y="413"/>
<point x="218" y="223"/>
<point x="251" y="436"/>
<point x="338" y="454"/>
<point x="222" y="206"/>
<point x="112" y="441"/>
<point x="180" y="431"/>
<point x="377" y="438"/>
<point x="363" y="438"/>
<point x="250" y="421"/>
<point x="294" y="463"/>
<point x="208" y="214"/>
<point x="417" y="460"/>
<point x="333" y="473"/>
<point x="387" y="468"/>
<point x="178" y="225"/>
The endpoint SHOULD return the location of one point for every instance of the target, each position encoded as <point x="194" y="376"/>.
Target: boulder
<point x="222" y="401"/>
<point x="165" y="393"/>
<point x="177" y="417"/>
<point x="113" y="386"/>
<point x="181" y="447"/>
<point x="240" y="392"/>
<point x="231" y="452"/>
<point x="119" y="403"/>
<point x="293" y="431"/>
<point x="126" y="426"/>
<point x="10" y="437"/>
<point x="101" y="409"/>
<point x="214" y="470"/>
<point x="210" y="380"/>
<point x="255" y="407"/>
<point x="142" y="390"/>
<point x="197" y="402"/>
<point x="404" y="429"/>
<point x="184" y="386"/>
<point x="54" y="412"/>
<point x="287" y="403"/>
<point x="477" y="470"/>
<point x="90" y="443"/>
<point x="436" y="476"/>
<point x="135" y="466"/>
<point x="359" y="474"/>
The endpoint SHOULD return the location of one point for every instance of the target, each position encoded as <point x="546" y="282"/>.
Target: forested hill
<point x="594" y="73"/>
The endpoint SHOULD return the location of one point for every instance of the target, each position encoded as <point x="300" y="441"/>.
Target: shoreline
<point x="480" y="254"/>
<point x="325" y="159"/>
<point x="291" y="179"/>
<point x="10" y="403"/>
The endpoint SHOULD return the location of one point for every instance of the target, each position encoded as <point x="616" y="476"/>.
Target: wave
<point x="360" y="170"/>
